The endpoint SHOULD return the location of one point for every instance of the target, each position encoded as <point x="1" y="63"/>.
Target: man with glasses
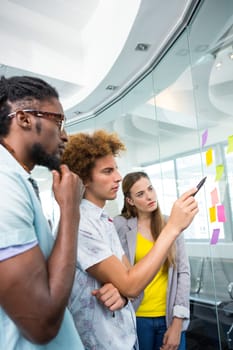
<point x="36" y="273"/>
<point x="57" y="118"/>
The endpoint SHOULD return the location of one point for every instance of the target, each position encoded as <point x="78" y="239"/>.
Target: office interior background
<point x="160" y="75"/>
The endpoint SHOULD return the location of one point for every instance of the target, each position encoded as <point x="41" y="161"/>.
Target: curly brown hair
<point x="84" y="149"/>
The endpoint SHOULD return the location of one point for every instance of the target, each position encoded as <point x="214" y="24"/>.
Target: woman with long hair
<point x="162" y="311"/>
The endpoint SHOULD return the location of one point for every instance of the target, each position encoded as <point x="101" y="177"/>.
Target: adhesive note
<point x="204" y="137"/>
<point x="214" y="197"/>
<point x="221" y="213"/>
<point x="230" y="144"/>
<point x="215" y="235"/>
<point x="219" y="172"/>
<point x="209" y="157"/>
<point x="212" y="212"/>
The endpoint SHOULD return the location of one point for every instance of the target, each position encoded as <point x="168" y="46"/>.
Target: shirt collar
<point x="95" y="210"/>
<point x="8" y="160"/>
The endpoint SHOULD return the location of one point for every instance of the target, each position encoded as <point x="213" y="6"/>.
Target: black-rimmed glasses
<point x="57" y="118"/>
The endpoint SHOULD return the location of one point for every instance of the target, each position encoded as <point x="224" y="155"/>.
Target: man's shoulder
<point x="89" y="219"/>
<point x="11" y="178"/>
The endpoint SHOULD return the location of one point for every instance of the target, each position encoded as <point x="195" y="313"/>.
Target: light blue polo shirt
<point x="21" y="222"/>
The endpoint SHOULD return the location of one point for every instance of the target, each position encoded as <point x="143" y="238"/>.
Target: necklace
<point x="12" y="152"/>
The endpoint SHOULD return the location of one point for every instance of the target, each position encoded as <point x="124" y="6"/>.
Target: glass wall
<point x="177" y="125"/>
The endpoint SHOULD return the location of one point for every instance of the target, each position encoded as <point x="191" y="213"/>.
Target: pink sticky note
<point x="215" y="235"/>
<point x="204" y="137"/>
<point x="221" y="213"/>
<point x="214" y="197"/>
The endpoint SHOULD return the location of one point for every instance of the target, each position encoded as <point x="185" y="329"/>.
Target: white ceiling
<point x="81" y="47"/>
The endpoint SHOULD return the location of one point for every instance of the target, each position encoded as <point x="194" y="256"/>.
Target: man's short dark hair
<point x="22" y="89"/>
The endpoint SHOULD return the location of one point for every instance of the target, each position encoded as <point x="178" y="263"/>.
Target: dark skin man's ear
<point x="23" y="119"/>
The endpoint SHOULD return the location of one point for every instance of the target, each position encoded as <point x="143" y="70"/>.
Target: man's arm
<point x="130" y="281"/>
<point x="34" y="292"/>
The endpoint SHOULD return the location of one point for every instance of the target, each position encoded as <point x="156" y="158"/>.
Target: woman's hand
<point x="171" y="339"/>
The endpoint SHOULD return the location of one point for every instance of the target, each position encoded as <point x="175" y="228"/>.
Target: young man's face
<point x="105" y="181"/>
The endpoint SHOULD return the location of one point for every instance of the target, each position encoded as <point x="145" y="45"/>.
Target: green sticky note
<point x="219" y="172"/>
<point x="230" y="144"/>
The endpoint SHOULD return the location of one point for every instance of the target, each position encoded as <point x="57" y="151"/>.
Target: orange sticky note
<point x="230" y="144"/>
<point x="214" y="197"/>
<point x="219" y="172"/>
<point x="221" y="213"/>
<point x="212" y="212"/>
<point x="209" y="157"/>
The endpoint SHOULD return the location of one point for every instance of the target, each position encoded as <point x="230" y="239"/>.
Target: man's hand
<point x="110" y="297"/>
<point x="67" y="187"/>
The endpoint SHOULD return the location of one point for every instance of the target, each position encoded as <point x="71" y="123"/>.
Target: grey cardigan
<point x="177" y="303"/>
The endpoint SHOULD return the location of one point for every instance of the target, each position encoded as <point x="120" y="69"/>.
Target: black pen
<point x="201" y="183"/>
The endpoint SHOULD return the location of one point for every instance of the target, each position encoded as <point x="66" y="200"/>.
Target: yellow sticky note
<point x="212" y="212"/>
<point x="219" y="172"/>
<point x="209" y="157"/>
<point x="230" y="144"/>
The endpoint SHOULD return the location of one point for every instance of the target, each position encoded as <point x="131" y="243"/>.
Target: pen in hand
<point x="201" y="183"/>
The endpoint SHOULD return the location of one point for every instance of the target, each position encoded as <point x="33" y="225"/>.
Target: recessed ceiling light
<point x="231" y="55"/>
<point x="111" y="87"/>
<point x="218" y="65"/>
<point x="142" y="47"/>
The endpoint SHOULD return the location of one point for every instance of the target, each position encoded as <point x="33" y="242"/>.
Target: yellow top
<point x="154" y="301"/>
